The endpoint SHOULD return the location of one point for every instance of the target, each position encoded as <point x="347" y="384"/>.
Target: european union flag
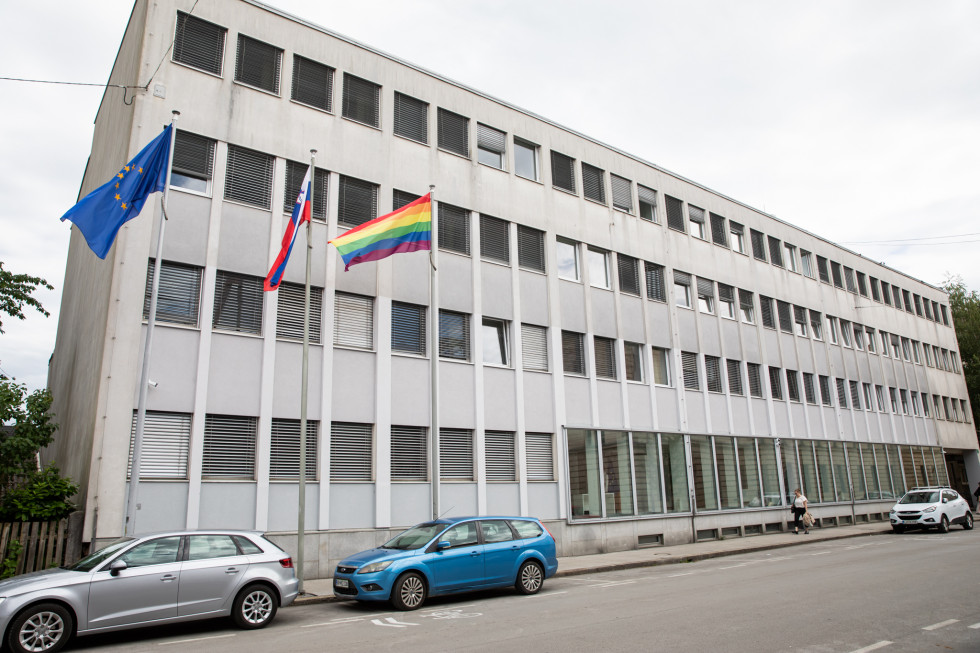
<point x="101" y="213"/>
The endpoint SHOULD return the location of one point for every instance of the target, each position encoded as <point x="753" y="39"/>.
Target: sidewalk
<point x="321" y="589"/>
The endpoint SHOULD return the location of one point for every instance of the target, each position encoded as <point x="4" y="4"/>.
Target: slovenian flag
<point x="301" y="213"/>
<point x="409" y="229"/>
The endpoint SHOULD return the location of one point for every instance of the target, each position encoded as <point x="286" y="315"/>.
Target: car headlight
<point x="375" y="567"/>
<point x="930" y="509"/>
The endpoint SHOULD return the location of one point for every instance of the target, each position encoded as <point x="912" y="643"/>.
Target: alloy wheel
<point x="41" y="631"/>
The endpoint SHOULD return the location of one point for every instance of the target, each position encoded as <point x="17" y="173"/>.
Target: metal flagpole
<point x="434" y="354"/>
<point x="301" y="516"/>
<point x="132" y="499"/>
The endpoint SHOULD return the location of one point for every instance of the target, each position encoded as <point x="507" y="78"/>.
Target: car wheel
<point x="898" y="529"/>
<point x="409" y="592"/>
<point x="943" y="525"/>
<point x="529" y="578"/>
<point x="968" y="522"/>
<point x="255" y="606"/>
<point x="42" y="628"/>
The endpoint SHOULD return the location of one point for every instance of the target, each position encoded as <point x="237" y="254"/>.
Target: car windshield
<point x="414" y="538"/>
<point x="93" y="560"/>
<point x="921" y="497"/>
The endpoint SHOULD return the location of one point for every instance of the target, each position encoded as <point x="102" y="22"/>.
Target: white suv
<point x="931" y="507"/>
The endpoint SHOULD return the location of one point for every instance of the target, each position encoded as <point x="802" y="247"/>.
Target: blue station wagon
<point x="446" y="556"/>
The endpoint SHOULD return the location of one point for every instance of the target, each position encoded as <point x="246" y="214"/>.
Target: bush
<point x="43" y="497"/>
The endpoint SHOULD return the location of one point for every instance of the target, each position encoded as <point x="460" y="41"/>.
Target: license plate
<point x="341" y="582"/>
<point x="910" y="522"/>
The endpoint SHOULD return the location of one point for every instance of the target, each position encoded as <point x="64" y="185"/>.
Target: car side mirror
<point x="442" y="545"/>
<point x="117" y="566"/>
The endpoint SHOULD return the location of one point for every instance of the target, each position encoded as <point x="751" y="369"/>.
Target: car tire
<point x="254" y="607"/>
<point x="530" y="578"/>
<point x="409" y="592"/>
<point x="41" y="628"/>
<point x="943" y="525"/>
<point x="968" y="522"/>
<point x="898" y="529"/>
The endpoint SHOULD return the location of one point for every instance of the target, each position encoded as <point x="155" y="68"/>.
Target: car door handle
<point x="474" y="553"/>
<point x="231" y="570"/>
<point x="167" y="578"/>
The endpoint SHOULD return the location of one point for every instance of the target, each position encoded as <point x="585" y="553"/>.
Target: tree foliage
<point x="965" y="306"/>
<point x="32" y="428"/>
<point x="43" y="497"/>
<point x="16" y="292"/>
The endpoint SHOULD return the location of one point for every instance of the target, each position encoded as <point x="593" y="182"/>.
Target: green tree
<point x="16" y="292"/>
<point x="31" y="430"/>
<point x="965" y="307"/>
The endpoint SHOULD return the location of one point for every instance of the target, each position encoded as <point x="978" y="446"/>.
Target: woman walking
<point x="799" y="509"/>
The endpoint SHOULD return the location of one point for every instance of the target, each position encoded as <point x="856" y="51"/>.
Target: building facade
<point x="622" y="352"/>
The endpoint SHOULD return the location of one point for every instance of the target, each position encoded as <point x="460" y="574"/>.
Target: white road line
<point x="874" y="647"/>
<point x="544" y="596"/>
<point x="687" y="573"/>
<point x="941" y="624"/>
<point x="194" y="639"/>
<point x="974" y="626"/>
<point x="821" y="553"/>
<point x="330" y="623"/>
<point x="733" y="566"/>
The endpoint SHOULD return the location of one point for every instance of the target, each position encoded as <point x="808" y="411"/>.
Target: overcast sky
<point x="858" y="121"/>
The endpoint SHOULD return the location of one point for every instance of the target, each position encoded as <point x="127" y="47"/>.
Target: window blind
<point x="622" y="193"/>
<point x="166" y="442"/>
<point x="312" y="83"/>
<point x="229" y="447"/>
<point x="454" y="335"/>
<point x="534" y="347"/>
<point x="178" y="293"/>
<point x="563" y="171"/>
<point x="361" y="100"/>
<point x="605" y="357"/>
<point x="494" y="239"/>
<point x="454" y="229"/>
<point x="501" y="455"/>
<point x="248" y="178"/>
<point x="257" y="64"/>
<point x="358" y="201"/>
<point x="409" y="453"/>
<point x="689" y="367"/>
<point x="629" y="274"/>
<point x="284" y="449"/>
<point x="573" y="352"/>
<point x="539" y="450"/>
<point x="289" y="316"/>
<point x="675" y="213"/>
<point x="238" y="303"/>
<point x="530" y="248"/>
<point x="198" y="43"/>
<point x="454" y="132"/>
<point x="351" y="451"/>
<point x="408" y="331"/>
<point x="719" y="234"/>
<point x="353" y="322"/>
<point x="411" y="118"/>
<point x="655" y="282"/>
<point x="456" y="454"/>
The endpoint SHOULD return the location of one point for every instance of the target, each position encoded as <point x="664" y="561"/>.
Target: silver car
<point x="147" y="581"/>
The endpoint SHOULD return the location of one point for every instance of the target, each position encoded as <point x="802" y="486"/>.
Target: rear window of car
<point x="247" y="546"/>
<point x="526" y="529"/>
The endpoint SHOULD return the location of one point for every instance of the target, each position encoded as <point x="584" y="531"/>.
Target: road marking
<point x="941" y="624"/>
<point x="821" y="553"/>
<point x="733" y="566"/>
<point x="686" y="573"/>
<point x="874" y="647"/>
<point x="336" y="622"/>
<point x="546" y="595"/>
<point x="195" y="639"/>
<point x="392" y="623"/>
<point x="974" y="626"/>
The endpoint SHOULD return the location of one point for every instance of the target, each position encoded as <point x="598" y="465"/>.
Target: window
<point x="312" y="83"/>
<point x="835" y="270"/>
<point x="409" y="453"/>
<point x="695" y="218"/>
<point x="454" y="229"/>
<point x="884" y="343"/>
<point x="622" y="193"/>
<point x="661" y="367"/>
<point x="454" y="335"/>
<point x="593" y="183"/>
<point x="816" y="325"/>
<point x="706" y="295"/>
<point x="775" y="251"/>
<point x="178" y="293"/>
<point x="918" y="304"/>
<point x="456" y="456"/>
<point x="758" y="244"/>
<point x="682" y="289"/>
<point x="353" y="321"/>
<point x="895" y="345"/>
<point x="925" y="406"/>
<point x="229" y="447"/>
<point x="809" y="390"/>
<point x="915" y="404"/>
<point x="295" y="174"/>
<point x="946" y="364"/>
<point x="675" y="213"/>
<point x="573" y="352"/>
<point x="257" y="64"/>
<point x="859" y="337"/>
<point x="893" y="400"/>
<point x="159" y="551"/>
<point x="689" y="368"/>
<point x="494" y="239"/>
<point x="530" y="248"/>
<point x="738" y="236"/>
<point x="775" y="382"/>
<point x="880" y="396"/>
<point x="868" y="403"/>
<point x="875" y="292"/>
<point x="746" y="305"/>
<point x="655" y="282"/>
<point x="783" y="309"/>
<point x="712" y="373"/>
<point x="754" y="371"/>
<point x="289" y="316"/>
<point x="525" y="159"/>
<point x="562" y="171"/>
<point x="793" y="385"/>
<point x="598" y="268"/>
<point x="719" y="234"/>
<point x="362" y="100"/>
<point x="862" y="284"/>
<point x="411" y="118"/>
<point x="945" y="315"/>
<point x="210" y="547"/>
<point x="501" y="458"/>
<point x="358" y="202"/>
<point x="907" y="299"/>
<point x="567" y="255"/>
<point x="237" y="303"/>
<point x="906" y="350"/>
<point x="822" y="269"/>
<point x="605" y="357"/>
<point x="629" y="274"/>
<point x="534" y="347"/>
<point x="799" y="318"/>
<point x="825" y="397"/>
<point x="872" y="347"/>
<point x="284" y="449"/>
<point x="956" y="412"/>
<point x="400" y="199"/>
<point x="855" y="395"/>
<point x="931" y="313"/>
<point x="841" y="393"/>
<point x="408" y="330"/>
<point x="768" y="316"/>
<point x="491" y="146"/>
<point x="849" y="280"/>
<point x="249" y="177"/>
<point x="954" y="361"/>
<point x="735" y="377"/>
<point x="540" y="453"/>
<point x="199" y="44"/>
<point x="634" y="361"/>
<point x="845" y="332"/>
<point x="193" y="162"/>
<point x="832" y="329"/>
<point x="496" y="346"/>
<point x="938" y="406"/>
<point x="806" y="262"/>
<point x="726" y="299"/>
<point x="648" y="203"/>
<point x="351" y="452"/>
<point x="886" y="293"/>
<point x="790" y="251"/>
<point x="166" y="443"/>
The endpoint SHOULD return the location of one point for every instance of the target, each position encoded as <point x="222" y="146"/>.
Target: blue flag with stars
<point x="101" y="213"/>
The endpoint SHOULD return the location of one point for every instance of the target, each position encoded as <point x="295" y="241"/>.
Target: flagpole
<point x="301" y="516"/>
<point x="434" y="354"/>
<point x="132" y="504"/>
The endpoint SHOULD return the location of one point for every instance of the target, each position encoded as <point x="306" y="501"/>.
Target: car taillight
<point x="287" y="563"/>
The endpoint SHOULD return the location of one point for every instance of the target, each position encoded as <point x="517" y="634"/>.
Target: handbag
<point x="808" y="519"/>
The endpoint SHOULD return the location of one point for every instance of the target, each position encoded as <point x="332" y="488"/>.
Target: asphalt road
<point x="915" y="592"/>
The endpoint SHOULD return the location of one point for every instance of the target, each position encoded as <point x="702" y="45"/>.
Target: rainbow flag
<point x="408" y="229"/>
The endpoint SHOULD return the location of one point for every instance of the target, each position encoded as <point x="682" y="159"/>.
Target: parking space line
<point x="941" y="624"/>
<point x="974" y="626"/>
<point x="195" y="639"/>
<point x="547" y="594"/>
<point x="874" y="647"/>
<point x="686" y="573"/>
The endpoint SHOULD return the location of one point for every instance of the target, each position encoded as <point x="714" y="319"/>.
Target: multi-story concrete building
<point x="623" y="352"/>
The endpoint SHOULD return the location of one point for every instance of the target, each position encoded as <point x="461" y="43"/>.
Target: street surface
<point x="909" y="593"/>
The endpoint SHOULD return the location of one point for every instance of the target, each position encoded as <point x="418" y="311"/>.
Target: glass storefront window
<point x="808" y="468"/>
<point x="921" y="471"/>
<point x="676" y="494"/>
<point x="895" y="465"/>
<point x="841" y="477"/>
<point x="929" y="454"/>
<point x="583" y="474"/>
<point x="791" y="470"/>
<point x="646" y="462"/>
<point x="870" y="472"/>
<point x="727" y="472"/>
<point x="618" y="475"/>
<point x="884" y="475"/>
<point x="748" y="473"/>
<point x="908" y="467"/>
<point x="857" y="472"/>
<point x="826" y="472"/>
<point x="941" y="473"/>
<point x="770" y="472"/>
<point x="705" y="496"/>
